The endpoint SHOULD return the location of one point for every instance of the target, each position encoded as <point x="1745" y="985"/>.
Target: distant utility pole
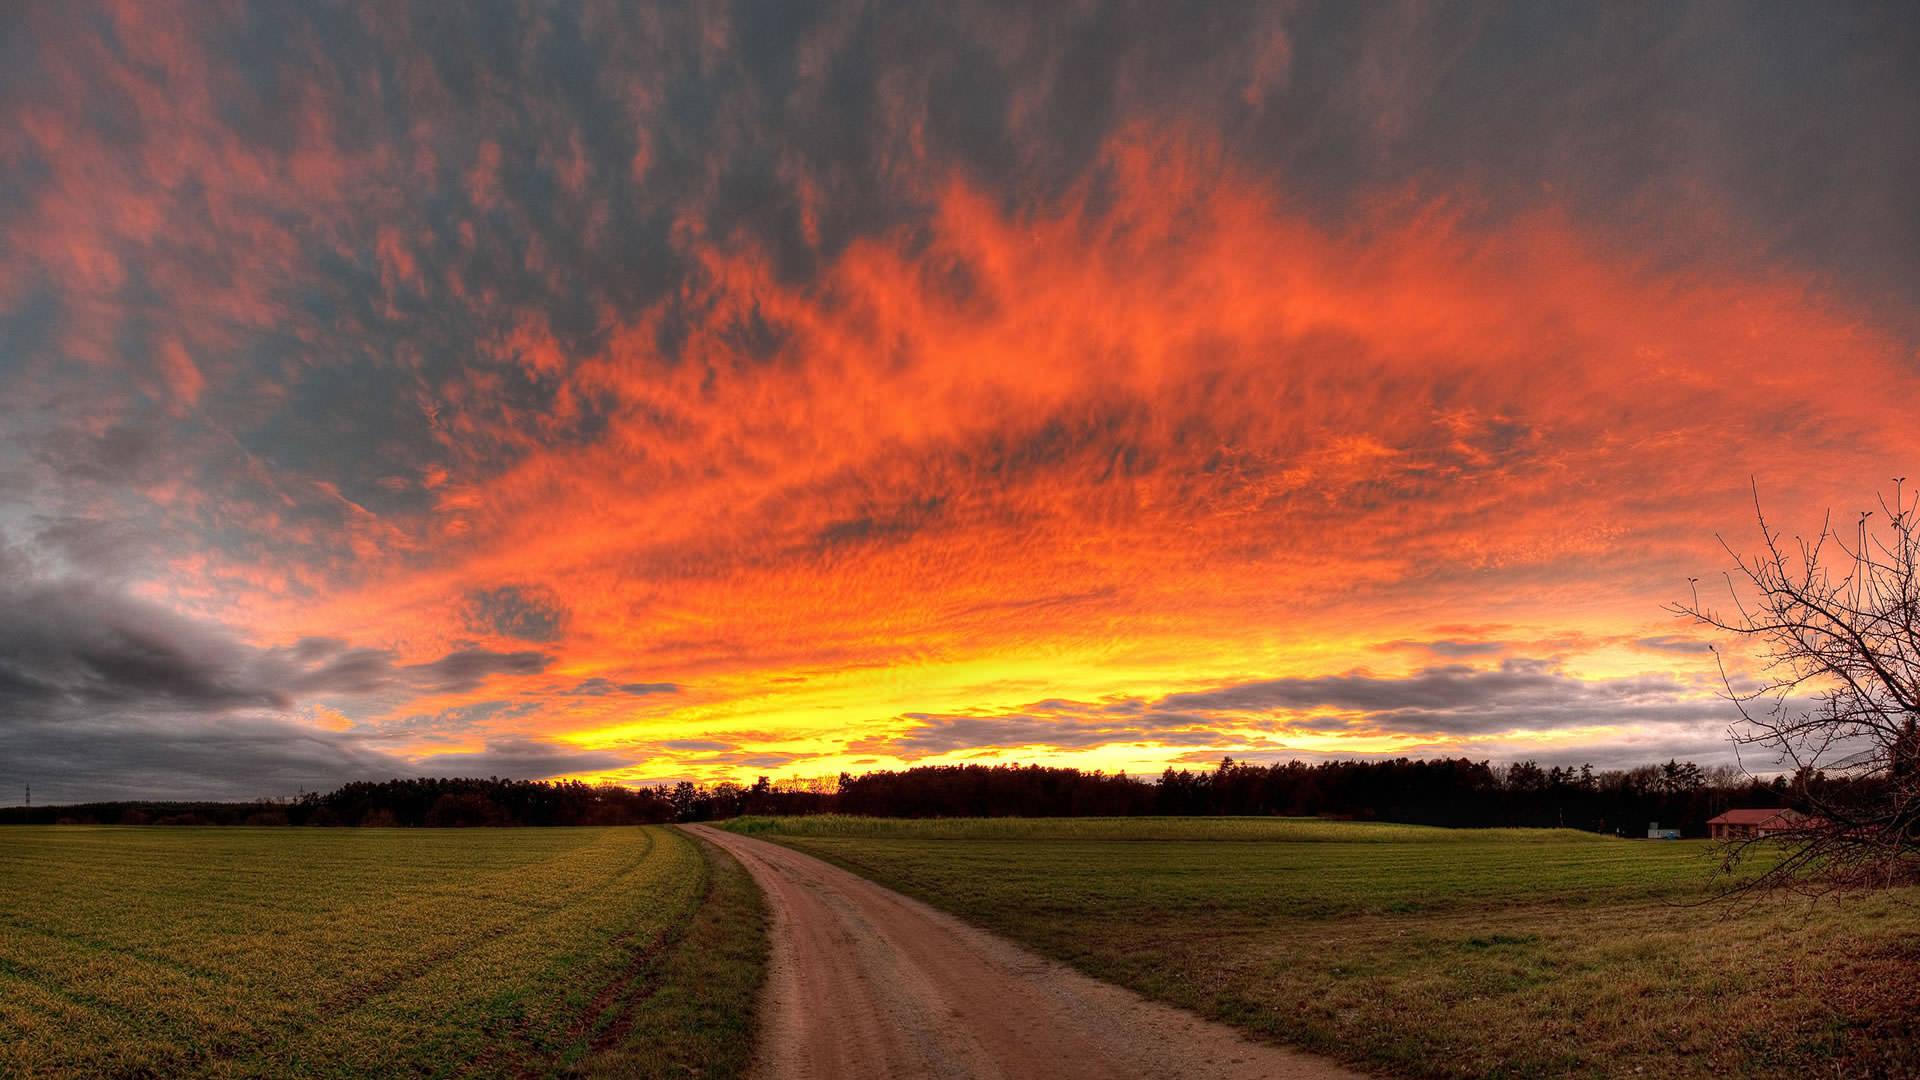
<point x="29" y="795"/>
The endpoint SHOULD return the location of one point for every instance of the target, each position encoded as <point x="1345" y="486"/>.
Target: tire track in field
<point x="361" y="994"/>
<point x="611" y="1011"/>
<point x="57" y="985"/>
<point x="866" y="982"/>
<point x="90" y="943"/>
<point x="607" y="1017"/>
<point x="189" y="1045"/>
<point x="511" y="1042"/>
<point x="85" y="1003"/>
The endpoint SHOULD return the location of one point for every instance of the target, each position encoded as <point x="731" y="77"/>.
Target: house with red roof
<point x="1746" y="824"/>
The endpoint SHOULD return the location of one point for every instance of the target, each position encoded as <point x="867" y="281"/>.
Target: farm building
<point x="1743" y="824"/>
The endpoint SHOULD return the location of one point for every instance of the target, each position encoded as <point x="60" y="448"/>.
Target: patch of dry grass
<point x="357" y="953"/>
<point x="1445" y="954"/>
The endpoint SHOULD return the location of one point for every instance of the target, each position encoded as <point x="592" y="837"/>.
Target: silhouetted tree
<point x="685" y="799"/>
<point x="1837" y="619"/>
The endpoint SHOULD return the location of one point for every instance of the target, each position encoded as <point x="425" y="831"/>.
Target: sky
<point x="639" y="392"/>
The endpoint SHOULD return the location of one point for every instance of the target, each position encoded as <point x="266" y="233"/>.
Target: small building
<point x="1749" y="824"/>
<point x="1655" y="832"/>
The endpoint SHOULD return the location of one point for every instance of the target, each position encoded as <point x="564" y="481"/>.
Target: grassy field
<point x="1427" y="952"/>
<point x="369" y="952"/>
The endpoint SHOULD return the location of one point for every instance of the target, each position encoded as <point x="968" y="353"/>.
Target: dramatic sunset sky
<point x="644" y="392"/>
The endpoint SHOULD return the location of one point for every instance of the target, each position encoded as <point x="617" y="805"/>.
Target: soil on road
<point x="864" y="982"/>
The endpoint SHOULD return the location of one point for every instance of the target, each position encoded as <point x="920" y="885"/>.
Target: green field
<point x="1428" y="952"/>
<point x="128" y="952"/>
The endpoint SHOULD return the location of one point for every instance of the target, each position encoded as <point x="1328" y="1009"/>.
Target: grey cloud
<point x="98" y="546"/>
<point x="527" y="612"/>
<point x="103" y="694"/>
<point x="519" y="758"/>
<point x="70" y="645"/>
<point x="1691" y="107"/>
<point x="1457" y="650"/>
<point x="461" y="671"/>
<point x="599" y="687"/>
<point x="1521" y="695"/>
<point x="132" y="452"/>
<point x="1445" y="703"/>
<point x="92" y="754"/>
<point x="345" y="671"/>
<point x="1494" y="716"/>
<point x="445" y="722"/>
<point x="1070" y="725"/>
<point x="1452" y="687"/>
<point x="1674" y="643"/>
<point x="1701" y="747"/>
<point x="329" y="666"/>
<point x="901" y="522"/>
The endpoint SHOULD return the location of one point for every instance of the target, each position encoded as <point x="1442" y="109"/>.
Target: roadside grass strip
<point x="695" y="1015"/>
<point x="1430" y="952"/>
<point x="128" y="952"/>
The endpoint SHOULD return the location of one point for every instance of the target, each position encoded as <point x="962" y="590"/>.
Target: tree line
<point x="416" y="803"/>
<point x="1456" y="792"/>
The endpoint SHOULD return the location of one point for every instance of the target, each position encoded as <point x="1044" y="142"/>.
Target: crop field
<point x="1428" y="952"/>
<point x="128" y="952"/>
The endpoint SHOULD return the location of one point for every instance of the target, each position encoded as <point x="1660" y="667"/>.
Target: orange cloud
<point x="1075" y="453"/>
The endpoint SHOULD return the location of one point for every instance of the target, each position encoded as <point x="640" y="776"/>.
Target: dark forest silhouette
<point x="1454" y="792"/>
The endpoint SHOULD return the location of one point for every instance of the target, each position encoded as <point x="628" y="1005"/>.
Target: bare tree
<point x="1836" y="620"/>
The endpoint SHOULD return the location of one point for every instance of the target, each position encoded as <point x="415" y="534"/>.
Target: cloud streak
<point x="1451" y="709"/>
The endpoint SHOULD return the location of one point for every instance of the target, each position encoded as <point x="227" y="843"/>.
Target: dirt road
<point x="864" y="982"/>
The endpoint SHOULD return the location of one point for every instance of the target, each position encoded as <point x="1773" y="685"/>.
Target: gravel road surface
<point x="864" y="982"/>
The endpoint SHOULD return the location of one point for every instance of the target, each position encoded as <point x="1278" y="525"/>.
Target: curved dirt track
<point x="864" y="982"/>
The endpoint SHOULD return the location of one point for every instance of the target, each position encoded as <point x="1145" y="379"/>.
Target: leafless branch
<point x="1835" y="624"/>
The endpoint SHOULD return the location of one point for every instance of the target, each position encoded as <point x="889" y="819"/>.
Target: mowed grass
<point x="1429" y="952"/>
<point x="128" y="952"/>
<point x="1265" y="829"/>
